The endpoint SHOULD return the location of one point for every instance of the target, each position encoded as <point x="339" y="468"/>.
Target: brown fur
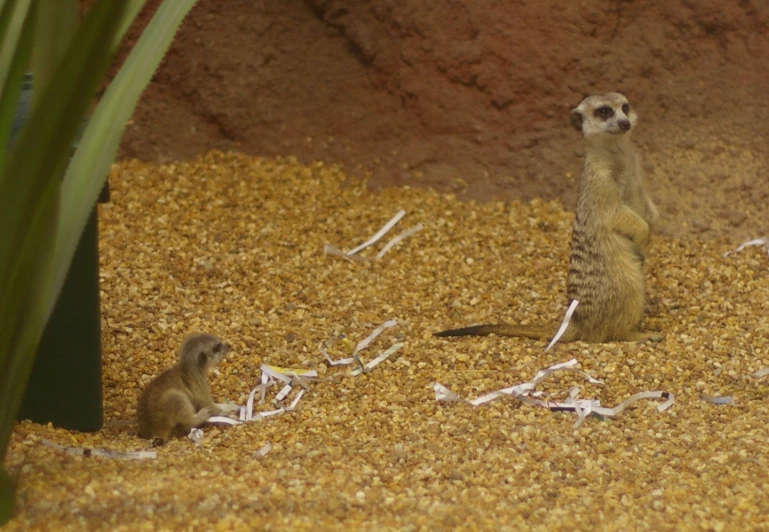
<point x="609" y="235"/>
<point x="179" y="399"/>
<point x="601" y="134"/>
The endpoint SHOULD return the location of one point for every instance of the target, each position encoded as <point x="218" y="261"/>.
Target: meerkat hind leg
<point x="180" y="412"/>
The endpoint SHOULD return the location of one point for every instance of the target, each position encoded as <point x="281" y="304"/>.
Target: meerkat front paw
<point x="203" y="415"/>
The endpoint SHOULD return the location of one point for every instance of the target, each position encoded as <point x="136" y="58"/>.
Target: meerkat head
<point x="604" y="115"/>
<point x="203" y="351"/>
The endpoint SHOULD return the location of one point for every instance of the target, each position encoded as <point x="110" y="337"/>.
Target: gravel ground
<point x="234" y="246"/>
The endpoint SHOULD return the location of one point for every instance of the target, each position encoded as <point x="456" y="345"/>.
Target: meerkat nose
<point x="624" y="125"/>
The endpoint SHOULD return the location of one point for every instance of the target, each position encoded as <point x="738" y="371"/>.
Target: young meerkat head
<point x="203" y="351"/>
<point x="604" y="115"/>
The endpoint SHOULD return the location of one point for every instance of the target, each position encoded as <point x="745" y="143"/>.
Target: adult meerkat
<point x="179" y="399"/>
<point x="608" y="237"/>
<point x="615" y="112"/>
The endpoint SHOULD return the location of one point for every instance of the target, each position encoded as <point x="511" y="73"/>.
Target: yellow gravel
<point x="233" y="245"/>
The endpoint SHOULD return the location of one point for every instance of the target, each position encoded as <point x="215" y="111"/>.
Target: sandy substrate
<point x="234" y="246"/>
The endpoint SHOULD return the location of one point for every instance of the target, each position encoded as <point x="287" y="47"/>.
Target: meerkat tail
<point x="540" y="332"/>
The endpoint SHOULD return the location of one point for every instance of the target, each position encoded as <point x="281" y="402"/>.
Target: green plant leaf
<point x="7" y="496"/>
<point x="59" y="19"/>
<point x="15" y="49"/>
<point x="7" y="182"/>
<point x="98" y="146"/>
<point x="31" y="318"/>
<point x="133" y="7"/>
<point x="12" y="17"/>
<point x="29" y="181"/>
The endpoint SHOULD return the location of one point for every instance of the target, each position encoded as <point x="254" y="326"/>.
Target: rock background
<point x="473" y="98"/>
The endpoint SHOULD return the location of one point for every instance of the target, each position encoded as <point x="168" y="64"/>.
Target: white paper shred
<point x="293" y="404"/>
<point x="288" y="375"/>
<point x="332" y="362"/>
<point x="283" y="393"/>
<point x="378" y="360"/>
<point x="444" y="394"/>
<point x="122" y="455"/>
<point x="249" y="410"/>
<point x="289" y="378"/>
<point x="718" y="399"/>
<point x="328" y="249"/>
<point x="275" y="373"/>
<point x="268" y="413"/>
<point x="763" y="242"/>
<point x="196" y="435"/>
<point x="262" y="452"/>
<point x="382" y="232"/>
<point x="570" y="365"/>
<point x="363" y="344"/>
<point x="515" y="391"/>
<point x="761" y="373"/>
<point x="266" y="383"/>
<point x="583" y="407"/>
<point x="564" y="324"/>
<point x="525" y="393"/>
<point x="223" y="420"/>
<point x="228" y="407"/>
<point x="396" y="240"/>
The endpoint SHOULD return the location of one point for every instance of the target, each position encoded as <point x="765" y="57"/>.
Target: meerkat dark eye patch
<point x="626" y="108"/>
<point x="217" y="347"/>
<point x="604" y="112"/>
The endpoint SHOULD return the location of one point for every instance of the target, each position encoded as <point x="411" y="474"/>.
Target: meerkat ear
<point x="202" y="358"/>
<point x="576" y="119"/>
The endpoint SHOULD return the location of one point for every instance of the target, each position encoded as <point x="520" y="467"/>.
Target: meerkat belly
<point x="605" y="276"/>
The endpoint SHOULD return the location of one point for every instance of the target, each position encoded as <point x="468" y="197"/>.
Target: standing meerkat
<point x="596" y="116"/>
<point x="179" y="399"/>
<point x="608" y="237"/>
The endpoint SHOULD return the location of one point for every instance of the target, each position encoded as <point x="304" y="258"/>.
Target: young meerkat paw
<point x="203" y="414"/>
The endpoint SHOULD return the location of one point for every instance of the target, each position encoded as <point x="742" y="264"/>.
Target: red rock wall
<point x="473" y="97"/>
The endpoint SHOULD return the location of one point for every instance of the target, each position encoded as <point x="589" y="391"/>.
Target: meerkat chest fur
<point x="605" y="270"/>
<point x="194" y="378"/>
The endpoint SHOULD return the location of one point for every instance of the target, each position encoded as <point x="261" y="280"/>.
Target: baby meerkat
<point x="608" y="237"/>
<point x="179" y="399"/>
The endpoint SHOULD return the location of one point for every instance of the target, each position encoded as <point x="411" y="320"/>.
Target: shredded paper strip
<point x="289" y="378"/>
<point x="763" y="242"/>
<point x="122" y="455"/>
<point x="564" y="324"/>
<point x="352" y="255"/>
<point x="526" y="394"/>
<point x="718" y="399"/>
